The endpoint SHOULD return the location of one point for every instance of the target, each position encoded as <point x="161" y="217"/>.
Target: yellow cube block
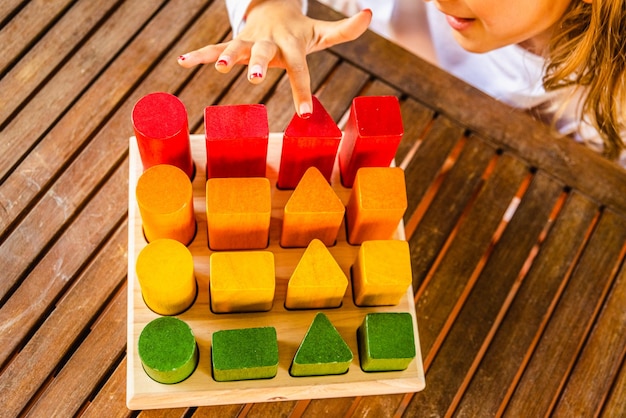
<point x="238" y="212"/>
<point x="314" y="211"/>
<point x="317" y="282"/>
<point x="377" y="204"/>
<point x="381" y="273"/>
<point x="242" y="281"/>
<point x="166" y="276"/>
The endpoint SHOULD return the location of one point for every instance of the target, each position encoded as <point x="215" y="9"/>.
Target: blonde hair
<point x="588" y="49"/>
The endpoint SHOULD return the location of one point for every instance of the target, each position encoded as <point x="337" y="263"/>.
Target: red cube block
<point x="311" y="142"/>
<point x="162" y="131"/>
<point x="371" y="136"/>
<point x="236" y="140"/>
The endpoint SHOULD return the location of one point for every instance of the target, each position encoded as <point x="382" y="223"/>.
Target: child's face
<point x="484" y="25"/>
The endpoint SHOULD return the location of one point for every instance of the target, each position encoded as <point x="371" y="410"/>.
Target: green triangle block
<point x="322" y="351"/>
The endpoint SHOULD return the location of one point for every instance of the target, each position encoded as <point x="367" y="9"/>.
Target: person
<point x="562" y="59"/>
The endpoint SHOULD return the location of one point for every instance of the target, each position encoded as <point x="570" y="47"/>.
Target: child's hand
<point x="277" y="34"/>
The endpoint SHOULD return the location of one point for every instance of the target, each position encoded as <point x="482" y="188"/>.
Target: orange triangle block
<point x="317" y="282"/>
<point x="314" y="211"/>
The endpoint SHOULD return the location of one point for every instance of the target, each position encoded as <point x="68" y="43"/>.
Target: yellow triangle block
<point x="317" y="282"/>
<point x="314" y="211"/>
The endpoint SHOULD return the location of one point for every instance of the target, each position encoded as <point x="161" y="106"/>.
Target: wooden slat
<point x="600" y="360"/>
<point x="345" y="82"/>
<point x="572" y="163"/>
<point x="529" y="311"/>
<point x="57" y="269"/>
<point x="26" y="25"/>
<point x="110" y="401"/>
<point x="88" y="364"/>
<point x="52" y="50"/>
<point x="470" y="331"/>
<point x="429" y="159"/>
<point x="616" y="402"/>
<point x="416" y="119"/>
<point x="40" y="113"/>
<point x="574" y="315"/>
<point x="48" y="346"/>
<point x="453" y="196"/>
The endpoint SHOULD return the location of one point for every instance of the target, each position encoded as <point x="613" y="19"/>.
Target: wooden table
<point x="517" y="235"/>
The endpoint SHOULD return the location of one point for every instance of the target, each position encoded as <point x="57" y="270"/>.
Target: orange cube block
<point x="317" y="282"/>
<point x="165" y="199"/>
<point x="313" y="211"/>
<point x="238" y="212"/>
<point x="377" y="204"/>
<point x="242" y="281"/>
<point x="381" y="273"/>
<point x="165" y="273"/>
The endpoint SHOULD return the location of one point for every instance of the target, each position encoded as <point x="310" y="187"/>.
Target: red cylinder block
<point x="162" y="130"/>
<point x="371" y="135"/>
<point x="236" y="140"/>
<point x="311" y="142"/>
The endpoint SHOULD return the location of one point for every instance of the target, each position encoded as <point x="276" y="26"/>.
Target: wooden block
<point x="242" y="281"/>
<point x="381" y="273"/>
<point x="238" y="213"/>
<point x="165" y="198"/>
<point x="322" y="351"/>
<point x="311" y="142"/>
<point x="371" y="135"/>
<point x="376" y="205"/>
<point x="317" y="281"/>
<point x="244" y="354"/>
<point x="236" y="140"/>
<point x="386" y="341"/>
<point x="167" y="349"/>
<point x="165" y="272"/>
<point x="313" y="211"/>
<point x="162" y="131"/>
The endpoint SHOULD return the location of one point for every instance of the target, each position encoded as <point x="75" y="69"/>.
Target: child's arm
<point x="277" y="34"/>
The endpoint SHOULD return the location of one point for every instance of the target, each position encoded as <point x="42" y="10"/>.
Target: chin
<point x="477" y="47"/>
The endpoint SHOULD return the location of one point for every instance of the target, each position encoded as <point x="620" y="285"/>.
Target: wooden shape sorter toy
<point x="386" y="341"/>
<point x="372" y="135"/>
<point x="291" y="325"/>
<point x="314" y="211"/>
<point x="236" y="140"/>
<point x="311" y="142"/>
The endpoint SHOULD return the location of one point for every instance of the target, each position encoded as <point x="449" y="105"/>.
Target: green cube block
<point x="167" y="350"/>
<point x="322" y="351"/>
<point x="244" y="354"/>
<point x="386" y="341"/>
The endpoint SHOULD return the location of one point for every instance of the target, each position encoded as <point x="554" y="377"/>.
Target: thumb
<point x="345" y="30"/>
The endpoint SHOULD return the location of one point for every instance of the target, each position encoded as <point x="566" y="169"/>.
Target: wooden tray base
<point x="291" y="325"/>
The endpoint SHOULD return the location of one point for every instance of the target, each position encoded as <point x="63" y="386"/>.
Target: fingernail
<point x="223" y="60"/>
<point x="256" y="72"/>
<point x="305" y="111"/>
<point x="182" y="57"/>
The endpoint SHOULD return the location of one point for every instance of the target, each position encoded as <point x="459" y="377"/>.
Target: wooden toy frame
<point x="291" y="325"/>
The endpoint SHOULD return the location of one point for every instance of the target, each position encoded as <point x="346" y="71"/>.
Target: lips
<point x="459" y="23"/>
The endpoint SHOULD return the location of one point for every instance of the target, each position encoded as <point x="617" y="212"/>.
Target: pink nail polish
<point x="182" y="58"/>
<point x="306" y="115"/>
<point x="256" y="72"/>
<point x="256" y="75"/>
<point x="222" y="62"/>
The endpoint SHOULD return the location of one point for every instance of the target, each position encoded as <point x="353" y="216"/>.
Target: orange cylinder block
<point x="165" y="198"/>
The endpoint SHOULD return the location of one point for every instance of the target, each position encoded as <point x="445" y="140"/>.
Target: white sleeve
<point x="237" y="13"/>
